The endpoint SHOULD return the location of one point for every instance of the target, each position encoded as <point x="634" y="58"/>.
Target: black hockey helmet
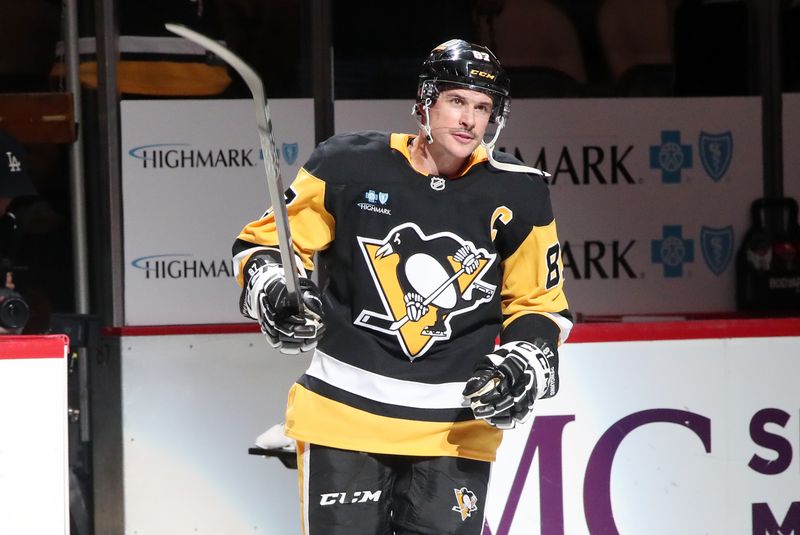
<point x="461" y="63"/>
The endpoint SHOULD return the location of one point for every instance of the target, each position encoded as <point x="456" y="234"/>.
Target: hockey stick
<point x="383" y="323"/>
<point x="264" y="124"/>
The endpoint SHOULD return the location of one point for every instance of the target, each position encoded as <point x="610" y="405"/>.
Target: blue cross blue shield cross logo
<point x="716" y="151"/>
<point x="671" y="156"/>
<point x="717" y="247"/>
<point x="289" y="151"/>
<point x="672" y="251"/>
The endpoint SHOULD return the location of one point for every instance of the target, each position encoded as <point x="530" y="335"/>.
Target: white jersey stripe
<point x="386" y="389"/>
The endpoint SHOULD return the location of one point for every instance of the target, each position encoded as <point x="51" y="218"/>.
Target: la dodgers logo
<point x="423" y="281"/>
<point x="14" y="165"/>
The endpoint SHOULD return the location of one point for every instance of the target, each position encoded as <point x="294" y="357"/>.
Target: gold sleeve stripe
<point x="312" y="226"/>
<point x="526" y="274"/>
<point x="319" y="420"/>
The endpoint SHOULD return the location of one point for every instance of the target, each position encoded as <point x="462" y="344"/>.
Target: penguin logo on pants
<point x="423" y="282"/>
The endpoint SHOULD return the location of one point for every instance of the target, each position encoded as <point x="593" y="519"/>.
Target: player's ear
<point x="419" y="112"/>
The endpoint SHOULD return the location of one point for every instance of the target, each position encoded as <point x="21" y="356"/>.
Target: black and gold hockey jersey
<point x="423" y="274"/>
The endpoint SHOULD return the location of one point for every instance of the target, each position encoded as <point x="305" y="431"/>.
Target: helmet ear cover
<point x="429" y="90"/>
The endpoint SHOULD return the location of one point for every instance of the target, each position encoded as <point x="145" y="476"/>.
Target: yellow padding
<point x="158" y="78"/>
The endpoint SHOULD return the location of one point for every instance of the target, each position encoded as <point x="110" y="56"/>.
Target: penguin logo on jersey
<point x="423" y="282"/>
<point x="466" y="502"/>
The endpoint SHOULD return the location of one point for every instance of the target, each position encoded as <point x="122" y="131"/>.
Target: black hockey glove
<point x="505" y="384"/>
<point x="265" y="299"/>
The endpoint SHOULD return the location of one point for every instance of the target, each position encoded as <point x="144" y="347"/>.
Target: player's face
<point x="458" y="121"/>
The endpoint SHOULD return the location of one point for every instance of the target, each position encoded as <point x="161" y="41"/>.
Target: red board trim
<point x="581" y="333"/>
<point x="685" y="330"/>
<point x="171" y="330"/>
<point x="51" y="346"/>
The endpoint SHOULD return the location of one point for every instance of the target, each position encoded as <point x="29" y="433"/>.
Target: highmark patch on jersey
<point x="424" y="281"/>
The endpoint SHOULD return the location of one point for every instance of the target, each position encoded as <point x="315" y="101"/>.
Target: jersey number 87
<point x="553" y="273"/>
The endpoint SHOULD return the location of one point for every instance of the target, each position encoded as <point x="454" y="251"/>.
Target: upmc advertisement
<point x="669" y="437"/>
<point x="651" y="196"/>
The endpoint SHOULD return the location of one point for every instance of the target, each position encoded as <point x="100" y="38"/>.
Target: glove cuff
<point x="542" y="360"/>
<point x="259" y="273"/>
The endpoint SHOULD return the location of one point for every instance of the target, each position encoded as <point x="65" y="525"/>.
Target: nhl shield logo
<point x="289" y="151"/>
<point x="717" y="246"/>
<point x="716" y="151"/>
<point x="437" y="183"/>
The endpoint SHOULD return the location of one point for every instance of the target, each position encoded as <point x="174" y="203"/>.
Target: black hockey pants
<point x="354" y="493"/>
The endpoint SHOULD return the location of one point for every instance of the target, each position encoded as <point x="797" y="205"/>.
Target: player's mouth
<point x="463" y="136"/>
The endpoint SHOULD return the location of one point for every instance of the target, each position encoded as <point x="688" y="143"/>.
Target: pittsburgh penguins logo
<point x="423" y="282"/>
<point x="466" y="502"/>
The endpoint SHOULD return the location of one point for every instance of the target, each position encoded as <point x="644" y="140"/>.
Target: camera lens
<point x="14" y="312"/>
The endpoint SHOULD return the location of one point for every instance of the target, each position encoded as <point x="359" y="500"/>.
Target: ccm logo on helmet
<point x="482" y="74"/>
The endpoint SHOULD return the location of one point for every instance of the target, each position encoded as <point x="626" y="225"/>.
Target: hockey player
<point x="433" y="246"/>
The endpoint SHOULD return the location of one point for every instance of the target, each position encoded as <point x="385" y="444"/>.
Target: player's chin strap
<point x="512" y="167"/>
<point x="424" y="125"/>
